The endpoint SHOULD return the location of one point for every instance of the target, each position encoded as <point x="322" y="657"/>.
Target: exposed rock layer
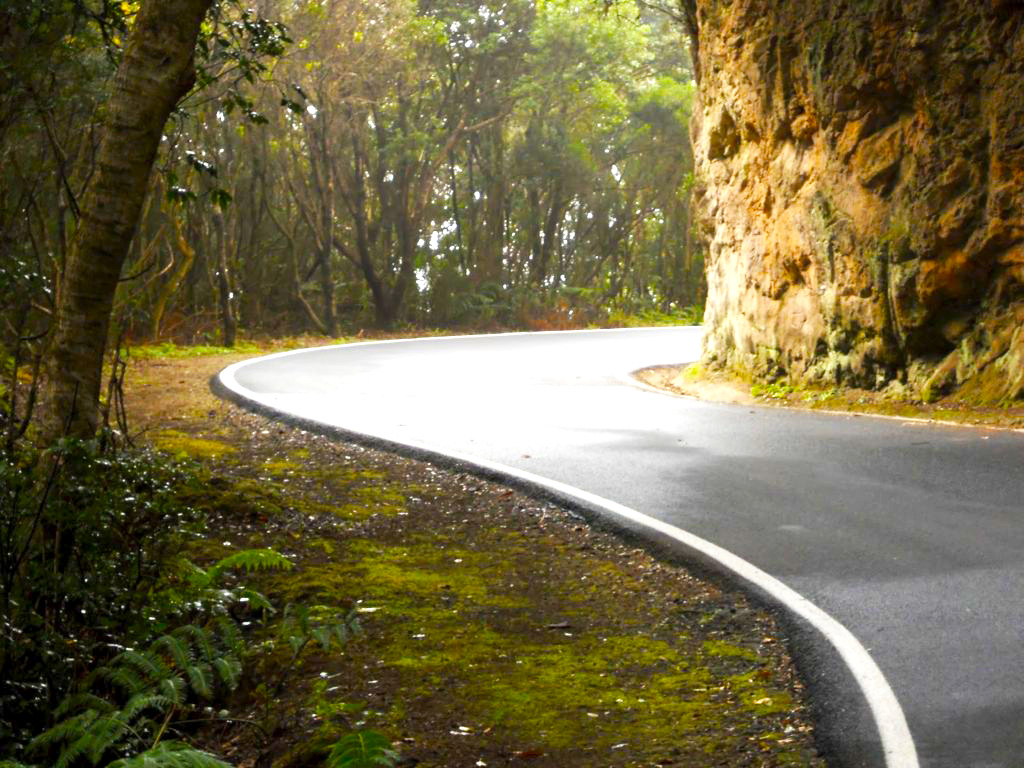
<point x="861" y="188"/>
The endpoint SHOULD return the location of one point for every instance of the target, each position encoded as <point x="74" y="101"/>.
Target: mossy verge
<point x="696" y="380"/>
<point x="497" y="629"/>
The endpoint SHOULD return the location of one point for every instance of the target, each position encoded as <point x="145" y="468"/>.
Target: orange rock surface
<point x="860" y="183"/>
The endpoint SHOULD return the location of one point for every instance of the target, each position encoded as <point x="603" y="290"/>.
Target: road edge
<point x="896" y="743"/>
<point x="634" y="380"/>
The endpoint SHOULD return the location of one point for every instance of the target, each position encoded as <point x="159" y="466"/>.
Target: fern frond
<point x="170" y="754"/>
<point x="128" y="680"/>
<point x="229" y="671"/>
<point x="64" y="731"/>
<point x="362" y="749"/>
<point x="230" y="635"/>
<point x="81" y="702"/>
<point x="148" y="663"/>
<point x="143" y="701"/>
<point x="196" y="576"/>
<point x="73" y="751"/>
<point x="199" y="679"/>
<point x="174" y="689"/>
<point x="256" y="600"/>
<point x="103" y="734"/>
<point x="250" y="560"/>
<point x="199" y="639"/>
<point x="82" y="736"/>
<point x="179" y="650"/>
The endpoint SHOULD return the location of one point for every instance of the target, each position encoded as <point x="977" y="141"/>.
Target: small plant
<point x="126" y="707"/>
<point x="362" y="749"/>
<point x="123" y="710"/>
<point x="207" y="589"/>
<point x="171" y="350"/>
<point x="690" y="315"/>
<point x="301" y="626"/>
<point x="774" y="391"/>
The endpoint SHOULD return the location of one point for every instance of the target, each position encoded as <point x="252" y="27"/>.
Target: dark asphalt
<point x="910" y="535"/>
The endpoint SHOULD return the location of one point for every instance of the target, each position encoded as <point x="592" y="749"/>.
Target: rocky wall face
<point x="860" y="185"/>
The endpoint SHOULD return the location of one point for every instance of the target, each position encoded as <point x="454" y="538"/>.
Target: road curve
<point x="909" y="535"/>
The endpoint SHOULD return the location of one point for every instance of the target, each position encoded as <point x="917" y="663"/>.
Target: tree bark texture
<point x="157" y="71"/>
<point x="229" y="325"/>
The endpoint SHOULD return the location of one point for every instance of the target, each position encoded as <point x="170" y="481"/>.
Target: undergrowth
<point x="116" y="649"/>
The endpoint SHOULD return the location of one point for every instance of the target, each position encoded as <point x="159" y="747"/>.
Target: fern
<point x="362" y="749"/>
<point x="250" y="560"/>
<point x="152" y="685"/>
<point x="170" y="754"/>
<point x="205" y="587"/>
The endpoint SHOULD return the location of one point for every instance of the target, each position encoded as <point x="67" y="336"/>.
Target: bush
<point x="85" y="539"/>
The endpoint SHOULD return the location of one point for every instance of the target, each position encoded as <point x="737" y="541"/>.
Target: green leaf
<point x="250" y="560"/>
<point x="221" y="198"/>
<point x="171" y="754"/>
<point x="179" y="194"/>
<point x="362" y="749"/>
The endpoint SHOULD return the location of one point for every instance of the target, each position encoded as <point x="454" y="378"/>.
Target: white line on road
<point x="897" y="743"/>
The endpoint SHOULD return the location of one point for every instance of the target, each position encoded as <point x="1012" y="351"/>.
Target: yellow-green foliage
<point x="280" y="466"/>
<point x="445" y="613"/>
<point x="369" y="493"/>
<point x="444" y="616"/>
<point x="692" y="372"/>
<point x="773" y="391"/>
<point x="182" y="445"/>
<point x="170" y="349"/>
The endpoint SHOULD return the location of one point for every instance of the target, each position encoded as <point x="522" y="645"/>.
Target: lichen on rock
<point x="861" y="188"/>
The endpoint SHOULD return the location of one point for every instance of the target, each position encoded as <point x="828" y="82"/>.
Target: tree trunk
<point x="188" y="258"/>
<point x="156" y="72"/>
<point x="225" y="296"/>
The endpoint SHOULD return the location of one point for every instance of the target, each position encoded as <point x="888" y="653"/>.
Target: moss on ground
<point x="451" y="628"/>
<point x="497" y="629"/>
<point x="734" y="387"/>
<point x="186" y="446"/>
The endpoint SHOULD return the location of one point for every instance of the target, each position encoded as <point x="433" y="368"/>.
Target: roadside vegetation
<point x="695" y="380"/>
<point x="184" y="584"/>
<point x="462" y="654"/>
<point x="223" y="590"/>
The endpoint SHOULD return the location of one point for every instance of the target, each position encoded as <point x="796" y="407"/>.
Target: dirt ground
<point x="498" y="630"/>
<point x="694" y="381"/>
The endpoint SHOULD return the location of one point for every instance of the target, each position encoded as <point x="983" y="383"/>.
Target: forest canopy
<point x="341" y="164"/>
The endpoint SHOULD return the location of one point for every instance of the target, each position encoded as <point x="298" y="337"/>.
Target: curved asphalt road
<point x="912" y="536"/>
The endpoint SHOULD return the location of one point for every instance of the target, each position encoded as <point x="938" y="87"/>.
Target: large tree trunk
<point x="156" y="72"/>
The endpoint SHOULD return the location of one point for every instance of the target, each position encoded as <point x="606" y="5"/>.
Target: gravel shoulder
<point x="497" y="629"/>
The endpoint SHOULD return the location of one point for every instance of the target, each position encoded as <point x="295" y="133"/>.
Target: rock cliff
<point x="860" y="183"/>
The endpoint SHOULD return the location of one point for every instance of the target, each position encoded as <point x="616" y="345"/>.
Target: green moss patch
<point x="183" y="445"/>
<point x="497" y="630"/>
<point x="520" y="652"/>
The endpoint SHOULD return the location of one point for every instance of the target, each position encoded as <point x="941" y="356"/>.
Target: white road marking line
<point x="897" y="743"/>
